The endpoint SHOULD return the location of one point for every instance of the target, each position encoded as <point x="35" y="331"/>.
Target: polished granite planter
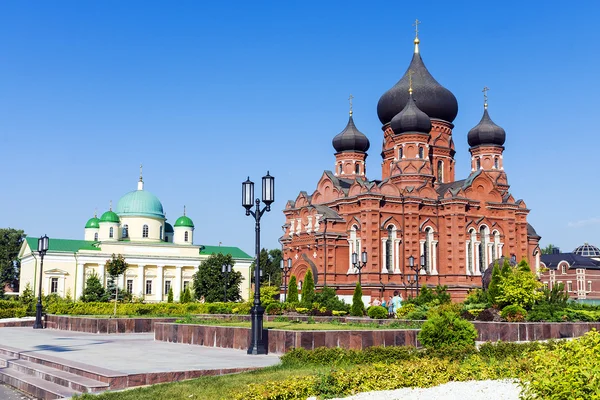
<point x="103" y="325"/>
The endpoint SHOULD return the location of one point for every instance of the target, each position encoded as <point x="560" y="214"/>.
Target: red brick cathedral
<point x="454" y="228"/>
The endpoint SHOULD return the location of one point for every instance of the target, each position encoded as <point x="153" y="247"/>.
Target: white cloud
<point x="584" y="222"/>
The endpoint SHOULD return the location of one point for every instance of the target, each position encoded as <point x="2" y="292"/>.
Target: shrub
<point x="274" y="309"/>
<point x="513" y="313"/>
<point x="339" y="313"/>
<point x="377" y="312"/>
<point x="268" y="295"/>
<point x="476" y="296"/>
<point x="170" y="295"/>
<point x="489" y="315"/>
<point x="358" y="307"/>
<point x="405" y="309"/>
<point x="520" y="288"/>
<point x="242" y="308"/>
<point x="447" y="329"/>
<point x="12" y="309"/>
<point x="292" y="294"/>
<point x="328" y="298"/>
<point x="186" y="296"/>
<point x="494" y="288"/>
<point x="94" y="290"/>
<point x="27" y="298"/>
<point x="302" y="310"/>
<point x="308" y="290"/>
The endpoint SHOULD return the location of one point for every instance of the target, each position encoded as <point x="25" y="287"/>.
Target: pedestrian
<point x="375" y="301"/>
<point x="390" y="307"/>
<point x="396" y="301"/>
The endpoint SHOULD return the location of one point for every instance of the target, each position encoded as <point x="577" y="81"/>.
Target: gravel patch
<point x="471" y="390"/>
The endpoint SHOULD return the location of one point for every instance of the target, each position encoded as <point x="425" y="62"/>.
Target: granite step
<point x="33" y="385"/>
<point x="60" y="377"/>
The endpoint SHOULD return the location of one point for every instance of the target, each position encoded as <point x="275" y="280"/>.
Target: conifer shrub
<point x="377" y="312"/>
<point x="513" y="313"/>
<point x="274" y="309"/>
<point x="308" y="290"/>
<point x="446" y="328"/>
<point x="170" y="295"/>
<point x="292" y="293"/>
<point x="358" y="307"/>
<point x="494" y="290"/>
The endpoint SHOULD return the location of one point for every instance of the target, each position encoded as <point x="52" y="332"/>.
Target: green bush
<point x="242" y="308"/>
<point x="477" y="296"/>
<point x="514" y="313"/>
<point x="377" y="312"/>
<point x="308" y="290"/>
<point x="328" y="298"/>
<point x="520" y="288"/>
<point x="170" y="295"/>
<point x="274" y="309"/>
<point x="358" y="307"/>
<point x="292" y="293"/>
<point x="494" y="289"/>
<point x="332" y="356"/>
<point x="12" y="309"/>
<point x="447" y="329"/>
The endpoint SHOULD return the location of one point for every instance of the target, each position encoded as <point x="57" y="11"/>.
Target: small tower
<point x="92" y="228"/>
<point x="351" y="147"/>
<point x="184" y="230"/>
<point x="486" y="141"/>
<point x="109" y="226"/>
<point x="169" y="232"/>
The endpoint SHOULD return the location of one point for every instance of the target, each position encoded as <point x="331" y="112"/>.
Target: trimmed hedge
<point x="141" y="309"/>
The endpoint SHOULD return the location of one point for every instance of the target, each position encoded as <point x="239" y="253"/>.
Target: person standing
<point x="396" y="301"/>
<point x="390" y="306"/>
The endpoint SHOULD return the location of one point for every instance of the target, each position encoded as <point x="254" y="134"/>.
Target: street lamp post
<point x="225" y="270"/>
<point x="257" y="345"/>
<point x="359" y="264"/>
<point x="419" y="269"/>
<point x="42" y="249"/>
<point x="285" y="269"/>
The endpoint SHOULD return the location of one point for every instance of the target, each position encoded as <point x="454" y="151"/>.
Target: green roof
<point x="140" y="203"/>
<point x="184" y="221"/>
<point x="109" y="216"/>
<point x="63" y="245"/>
<point x="93" y="223"/>
<point x="235" y="252"/>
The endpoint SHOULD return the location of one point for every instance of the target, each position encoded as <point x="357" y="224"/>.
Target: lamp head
<point x="411" y="261"/>
<point x="268" y="190"/>
<point x="247" y="195"/>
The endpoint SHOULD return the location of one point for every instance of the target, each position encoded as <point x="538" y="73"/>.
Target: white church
<point x="160" y="255"/>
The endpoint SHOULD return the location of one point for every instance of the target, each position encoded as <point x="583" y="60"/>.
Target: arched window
<point x="185" y="236"/>
<point x="478" y="161"/>
<point x="470" y="244"/>
<point x="496" y="162"/>
<point x="496" y="253"/>
<point x="420" y="152"/>
<point x="125" y="231"/>
<point x="389" y="263"/>
<point x="427" y="249"/>
<point x="440" y="171"/>
<point x="400" y="153"/>
<point x="96" y="236"/>
<point x="340" y="169"/>
<point x="483" y="257"/>
<point x="357" y="169"/>
<point x="111" y="232"/>
<point x="145" y="231"/>
<point x="160" y="232"/>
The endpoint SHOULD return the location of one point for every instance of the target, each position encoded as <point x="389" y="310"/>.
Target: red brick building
<point x="417" y="208"/>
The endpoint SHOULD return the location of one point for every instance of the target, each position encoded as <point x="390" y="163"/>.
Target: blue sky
<point x="206" y="93"/>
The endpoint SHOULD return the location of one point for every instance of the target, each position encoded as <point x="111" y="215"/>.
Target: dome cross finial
<point x="95" y="212"/>
<point x="110" y="206"/>
<point x="141" y="181"/>
<point x="350" y="101"/>
<point x="485" y="97"/>
<point x="416" y="25"/>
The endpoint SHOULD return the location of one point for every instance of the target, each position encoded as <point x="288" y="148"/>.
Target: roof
<point x="575" y="261"/>
<point x="531" y="232"/>
<point x="235" y="252"/>
<point x="64" y="245"/>
<point x="110" y="216"/>
<point x="327" y="212"/>
<point x="587" y="250"/>
<point x="93" y="223"/>
<point x="350" y="139"/>
<point x="184" y="221"/>
<point x="140" y="203"/>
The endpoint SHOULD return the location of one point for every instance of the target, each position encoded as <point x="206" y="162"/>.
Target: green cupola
<point x="184" y="221"/>
<point x="110" y="216"/>
<point x="93" y="223"/>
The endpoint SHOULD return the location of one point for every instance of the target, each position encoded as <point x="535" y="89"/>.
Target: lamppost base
<point x="38" y="317"/>
<point x="258" y="341"/>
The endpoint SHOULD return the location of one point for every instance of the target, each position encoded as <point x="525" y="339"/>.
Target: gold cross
<point x="350" y="100"/>
<point x="410" y="74"/>
<point x="485" y="90"/>
<point x="416" y="25"/>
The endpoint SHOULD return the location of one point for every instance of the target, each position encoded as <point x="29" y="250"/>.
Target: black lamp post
<point x="257" y="344"/>
<point x="225" y="270"/>
<point x="285" y="270"/>
<point x="42" y="249"/>
<point x="418" y="270"/>
<point x="359" y="264"/>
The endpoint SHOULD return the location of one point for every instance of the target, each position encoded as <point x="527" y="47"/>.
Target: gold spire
<point x="350" y="100"/>
<point x="410" y="74"/>
<point x="485" y="90"/>
<point x="417" y="41"/>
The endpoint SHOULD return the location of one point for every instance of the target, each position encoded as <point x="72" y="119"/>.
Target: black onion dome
<point x="486" y="132"/>
<point x="434" y="100"/>
<point x="350" y="139"/>
<point x="411" y="119"/>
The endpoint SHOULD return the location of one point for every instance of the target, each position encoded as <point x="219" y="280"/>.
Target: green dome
<point x="93" y="223"/>
<point x="109" y="216"/>
<point x="184" y="221"/>
<point x="168" y="228"/>
<point x="140" y="203"/>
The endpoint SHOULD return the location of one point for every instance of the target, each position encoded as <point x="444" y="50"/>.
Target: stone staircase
<point x="46" y="377"/>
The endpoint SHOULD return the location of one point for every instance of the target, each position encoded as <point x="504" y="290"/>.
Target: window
<point x="130" y="285"/>
<point x="125" y="230"/>
<point x="160" y="232"/>
<point x="400" y="153"/>
<point x="569" y="286"/>
<point x="340" y="169"/>
<point x="96" y="236"/>
<point x="563" y="269"/>
<point x="589" y="286"/>
<point x="483" y="258"/>
<point x="420" y="152"/>
<point x="357" y="169"/>
<point x="149" y="286"/>
<point x="185" y="236"/>
<point x="440" y="171"/>
<point x="145" y="231"/>
<point x="496" y="162"/>
<point x="186" y="284"/>
<point x="478" y="163"/>
<point x="388" y="249"/>
<point x="470" y="251"/>
<point x="427" y="247"/>
<point x="167" y="286"/>
<point x="54" y="285"/>
<point x="111" y="232"/>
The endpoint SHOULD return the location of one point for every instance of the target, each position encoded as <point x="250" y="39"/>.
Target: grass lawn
<point x="294" y="325"/>
<point x="210" y="387"/>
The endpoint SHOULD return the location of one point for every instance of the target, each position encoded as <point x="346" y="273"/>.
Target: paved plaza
<point x="129" y="353"/>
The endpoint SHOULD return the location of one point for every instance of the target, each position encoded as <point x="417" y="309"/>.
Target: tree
<point x="116" y="267"/>
<point x="10" y="266"/>
<point x="209" y="281"/>
<point x="308" y="290"/>
<point x="170" y="295"/>
<point x="358" y="307"/>
<point x="520" y="288"/>
<point x="270" y="266"/>
<point x="494" y="290"/>
<point x="548" y="249"/>
<point x="292" y="294"/>
<point x="186" y="296"/>
<point x="523" y="265"/>
<point x="94" y="291"/>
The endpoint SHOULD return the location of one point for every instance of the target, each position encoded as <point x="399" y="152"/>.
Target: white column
<point x="350" y="243"/>
<point x="140" y="278"/>
<point x="397" y="256"/>
<point x="101" y="267"/>
<point x="467" y="272"/>
<point x="159" y="282"/>
<point x="80" y="281"/>
<point x="434" y="257"/>
<point x="384" y="269"/>
<point x="177" y="283"/>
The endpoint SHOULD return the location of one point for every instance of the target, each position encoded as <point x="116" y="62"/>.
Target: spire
<point x="410" y="89"/>
<point x="417" y="41"/>
<point x="110" y="206"/>
<point x="485" y="90"/>
<point x="141" y="181"/>
<point x="350" y="100"/>
<point x="95" y="213"/>
<point x="184" y="210"/>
